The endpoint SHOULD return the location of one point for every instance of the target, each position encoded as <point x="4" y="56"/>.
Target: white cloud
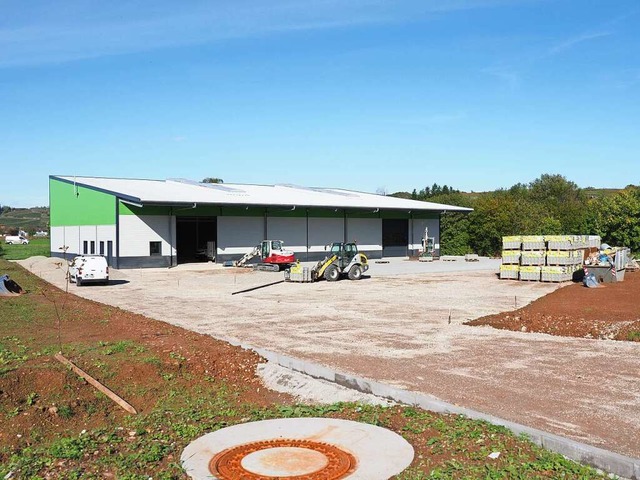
<point x="578" y="39"/>
<point x="506" y="75"/>
<point x="51" y="32"/>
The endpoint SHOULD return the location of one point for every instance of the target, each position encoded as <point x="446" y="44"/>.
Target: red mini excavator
<point x="272" y="254"/>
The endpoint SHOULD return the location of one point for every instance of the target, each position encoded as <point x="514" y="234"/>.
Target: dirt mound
<point x="611" y="311"/>
<point x="40" y="264"/>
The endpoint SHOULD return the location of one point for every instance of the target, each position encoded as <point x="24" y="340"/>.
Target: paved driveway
<point x="403" y="326"/>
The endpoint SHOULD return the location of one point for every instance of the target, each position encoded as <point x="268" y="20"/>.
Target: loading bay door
<point x="192" y="236"/>
<point x="395" y="237"/>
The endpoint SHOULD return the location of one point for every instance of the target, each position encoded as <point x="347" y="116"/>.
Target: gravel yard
<point x="404" y="326"/>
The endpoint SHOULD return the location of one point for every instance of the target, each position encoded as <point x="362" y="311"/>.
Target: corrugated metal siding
<point x="366" y="232"/>
<point x="293" y="231"/>
<point x="137" y="232"/>
<point x="238" y="235"/>
<point x="324" y="231"/>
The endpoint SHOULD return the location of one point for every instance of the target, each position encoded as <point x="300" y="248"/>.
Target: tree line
<point x="549" y="205"/>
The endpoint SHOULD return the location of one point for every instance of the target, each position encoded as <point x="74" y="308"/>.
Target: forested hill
<point x="549" y="205"/>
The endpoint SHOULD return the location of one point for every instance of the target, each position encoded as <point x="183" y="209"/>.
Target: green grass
<point x="36" y="246"/>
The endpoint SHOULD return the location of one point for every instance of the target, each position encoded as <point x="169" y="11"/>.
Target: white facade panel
<point x="238" y="235"/>
<point x="137" y="231"/>
<point x="74" y="236"/>
<point x="366" y="232"/>
<point x="57" y="239"/>
<point x="292" y="231"/>
<point x="324" y="231"/>
<point x="417" y="229"/>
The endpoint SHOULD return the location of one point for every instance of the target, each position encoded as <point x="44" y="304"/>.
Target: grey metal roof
<point x="178" y="191"/>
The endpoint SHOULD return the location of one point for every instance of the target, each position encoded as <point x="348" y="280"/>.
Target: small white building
<point x="155" y="223"/>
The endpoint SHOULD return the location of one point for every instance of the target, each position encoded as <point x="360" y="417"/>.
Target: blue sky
<point x="360" y="94"/>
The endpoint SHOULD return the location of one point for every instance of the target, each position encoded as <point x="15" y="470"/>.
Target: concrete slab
<point x="379" y="453"/>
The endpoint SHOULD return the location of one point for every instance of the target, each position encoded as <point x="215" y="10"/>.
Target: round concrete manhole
<point x="298" y="449"/>
<point x="283" y="458"/>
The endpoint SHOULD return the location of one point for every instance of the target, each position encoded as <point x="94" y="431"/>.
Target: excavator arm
<point x="248" y="256"/>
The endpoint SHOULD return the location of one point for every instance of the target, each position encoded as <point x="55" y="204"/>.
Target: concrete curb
<point x="609" y="462"/>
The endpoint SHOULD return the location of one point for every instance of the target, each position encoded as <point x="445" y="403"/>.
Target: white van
<point x="16" y="239"/>
<point x="89" y="268"/>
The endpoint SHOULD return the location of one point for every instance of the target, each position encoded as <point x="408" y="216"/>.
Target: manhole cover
<point x="285" y="459"/>
<point x="298" y="449"/>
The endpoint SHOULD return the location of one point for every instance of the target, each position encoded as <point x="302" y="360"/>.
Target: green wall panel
<point x="299" y="212"/>
<point x="126" y="209"/>
<point x="242" y="211"/>
<point x="326" y="212"/>
<point x="422" y="215"/>
<point x="394" y="214"/>
<point x="79" y="205"/>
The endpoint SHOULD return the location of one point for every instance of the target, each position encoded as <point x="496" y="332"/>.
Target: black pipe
<point x="258" y="287"/>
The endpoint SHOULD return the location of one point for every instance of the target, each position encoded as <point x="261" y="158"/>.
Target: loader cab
<point x="344" y="251"/>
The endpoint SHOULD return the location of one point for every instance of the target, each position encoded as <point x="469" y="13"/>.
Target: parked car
<point x="89" y="269"/>
<point x="16" y="239"/>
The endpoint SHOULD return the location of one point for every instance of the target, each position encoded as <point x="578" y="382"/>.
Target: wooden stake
<point x="96" y="384"/>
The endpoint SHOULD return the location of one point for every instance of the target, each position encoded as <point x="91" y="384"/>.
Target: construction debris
<point x="608" y="264"/>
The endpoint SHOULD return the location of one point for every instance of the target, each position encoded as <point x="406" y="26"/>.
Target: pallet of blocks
<point x="564" y="256"/>
<point x="510" y="272"/>
<point x="546" y="258"/>
<point x="530" y="273"/>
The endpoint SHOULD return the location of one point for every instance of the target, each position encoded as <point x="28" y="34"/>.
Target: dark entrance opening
<point x="395" y="237"/>
<point x="196" y="239"/>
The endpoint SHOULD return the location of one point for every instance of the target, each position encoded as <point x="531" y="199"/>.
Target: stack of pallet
<point x="547" y="258"/>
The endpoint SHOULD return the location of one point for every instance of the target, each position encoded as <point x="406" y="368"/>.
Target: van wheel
<point x="355" y="273"/>
<point x="78" y="281"/>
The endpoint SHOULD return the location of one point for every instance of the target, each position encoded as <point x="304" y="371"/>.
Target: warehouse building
<point x="161" y="223"/>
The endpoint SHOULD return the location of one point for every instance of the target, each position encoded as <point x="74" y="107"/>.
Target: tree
<point x="212" y="180"/>
<point x="616" y="218"/>
<point x="563" y="200"/>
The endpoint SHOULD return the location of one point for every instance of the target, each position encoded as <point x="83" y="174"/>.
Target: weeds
<point x="633" y="336"/>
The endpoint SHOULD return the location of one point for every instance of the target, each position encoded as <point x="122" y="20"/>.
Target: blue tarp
<point x="590" y="281"/>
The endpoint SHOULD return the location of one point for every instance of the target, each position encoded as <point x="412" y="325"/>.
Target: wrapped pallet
<point x="513" y="242"/>
<point x="511" y="256"/>
<point x="559" y="242"/>
<point x="509" y="272"/>
<point x="532" y="258"/>
<point x="556" y="274"/>
<point x="529" y="273"/>
<point x="560" y="257"/>
<point x="533" y="242"/>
